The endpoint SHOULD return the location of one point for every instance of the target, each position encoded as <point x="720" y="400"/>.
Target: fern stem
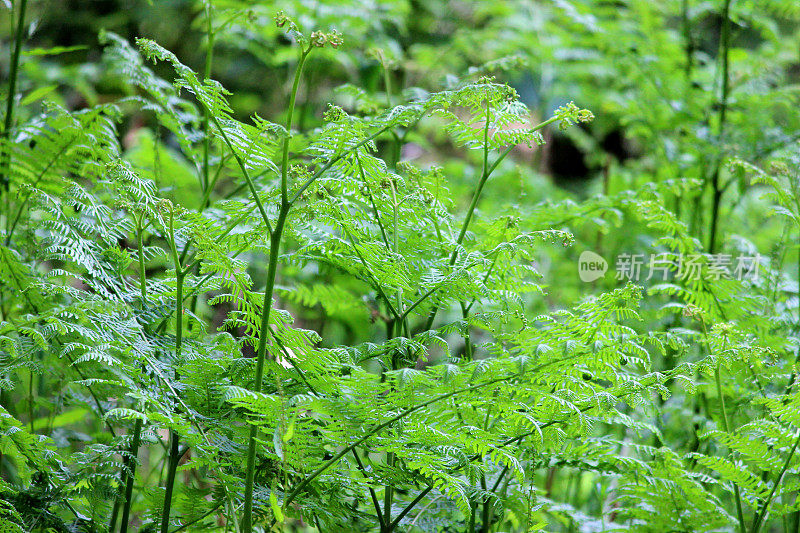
<point x="387" y="82"/>
<point x="471" y="524"/>
<point x="174" y="450"/>
<point x="130" y="474"/>
<point x="206" y="186"/>
<point x="726" y="426"/>
<point x="478" y="190"/>
<point x="759" y="518"/>
<point x="172" y="467"/>
<point x="485" y="279"/>
<point x="206" y="122"/>
<point x="372" y="494"/>
<point x="276" y="238"/>
<point x="199" y="518"/>
<point x="486" y="508"/>
<point x="250" y="183"/>
<point x="5" y="179"/>
<point x="31" y="399"/>
<point x="487" y="504"/>
<point x="796" y="330"/>
<point x="388" y="493"/>
<point x="508" y="150"/>
<point x="335" y="160"/>
<point x="309" y="478"/>
<point x="395" y="312"/>
<point x="398" y="139"/>
<point x="468" y="353"/>
<point x="13" y="223"/>
<point x="375" y="212"/>
<point x="298" y="72"/>
<point x="403" y="317"/>
<point x="717" y="191"/>
<point x="500" y="478"/>
<point x="487" y="171"/>
<point x="505" y="443"/>
<point x="688" y="45"/>
<point x="409" y="507"/>
<point x="272" y="268"/>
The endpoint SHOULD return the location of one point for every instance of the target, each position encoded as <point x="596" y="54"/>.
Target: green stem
<point x="272" y="268"/>
<point x="472" y="206"/>
<point x="486" y="510"/>
<point x="30" y="400"/>
<point x="199" y="518"/>
<point x="137" y="429"/>
<point x="487" y="171"/>
<point x="131" y="476"/>
<point x="12" y="224"/>
<point x="371" y="493"/>
<point x="207" y="194"/>
<point x="290" y="115"/>
<point x="112" y="526"/>
<point x="726" y="427"/>
<point x="487" y="503"/>
<point x="206" y="123"/>
<point x="334" y="160"/>
<point x="372" y="201"/>
<point x="409" y="507"/>
<point x="478" y="190"/>
<point x="503" y="444"/>
<point x="387" y="82"/>
<point x="5" y="180"/>
<point x="388" y="493"/>
<point x="174" y="450"/>
<point x="688" y="41"/>
<point x="471" y="523"/>
<point x="716" y="200"/>
<point x="758" y="520"/>
<point x="398" y="140"/>
<point x="381" y="293"/>
<point x="396" y="249"/>
<point x="172" y="468"/>
<point x="250" y="183"/>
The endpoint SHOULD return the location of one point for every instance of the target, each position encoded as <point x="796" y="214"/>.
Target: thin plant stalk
<point x="398" y="139"/>
<point x="12" y="93"/>
<point x="276" y="237"/>
<point x="174" y="449"/>
<point x="137" y="429"/>
<point x="5" y="156"/>
<point x="717" y="190"/>
<point x="758" y="519"/>
<point x="472" y="512"/>
<point x="487" y="171"/>
<point x="206" y="122"/>
<point x="726" y="427"/>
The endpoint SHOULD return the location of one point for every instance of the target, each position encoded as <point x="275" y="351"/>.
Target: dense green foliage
<point x="366" y="311"/>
